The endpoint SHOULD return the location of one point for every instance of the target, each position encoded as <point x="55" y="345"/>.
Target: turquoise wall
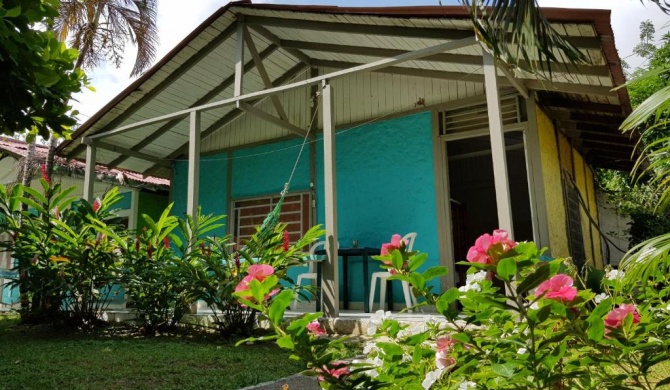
<point x="213" y="186"/>
<point x="265" y="169"/>
<point x="385" y="185"/>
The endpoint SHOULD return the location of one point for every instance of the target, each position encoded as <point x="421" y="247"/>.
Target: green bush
<point x="65" y="250"/>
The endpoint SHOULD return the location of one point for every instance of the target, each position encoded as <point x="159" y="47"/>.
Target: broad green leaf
<point x="396" y="259"/>
<point x="279" y="305"/>
<point x="286" y="342"/>
<point x="435" y="272"/>
<point x="534" y="279"/>
<point x="417" y="261"/>
<point x="506" y="269"/>
<point x="596" y="330"/>
<point x="505" y="370"/>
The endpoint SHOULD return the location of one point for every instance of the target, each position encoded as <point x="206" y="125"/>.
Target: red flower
<point x="137" y="244"/>
<point x="45" y="175"/>
<point x="286" y="241"/>
<point x="96" y="205"/>
<point x="166" y="243"/>
<point x="150" y="250"/>
<point x="237" y="261"/>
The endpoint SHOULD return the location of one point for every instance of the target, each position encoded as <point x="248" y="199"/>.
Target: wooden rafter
<point x="276" y="102"/>
<point x="395" y="31"/>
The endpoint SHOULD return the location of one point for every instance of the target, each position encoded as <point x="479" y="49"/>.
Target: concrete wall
<point x="615" y="227"/>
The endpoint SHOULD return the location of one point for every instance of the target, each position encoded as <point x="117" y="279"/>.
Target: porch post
<point x="330" y="285"/>
<point x="193" y="166"/>
<point x="89" y="173"/>
<point x="239" y="57"/>
<point x="500" y="179"/>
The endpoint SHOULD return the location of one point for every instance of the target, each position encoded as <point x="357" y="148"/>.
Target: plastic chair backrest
<point x="409" y="239"/>
<point x="316" y="246"/>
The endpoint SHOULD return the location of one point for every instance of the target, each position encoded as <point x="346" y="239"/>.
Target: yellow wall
<point x="559" y="155"/>
<point x="551" y="175"/>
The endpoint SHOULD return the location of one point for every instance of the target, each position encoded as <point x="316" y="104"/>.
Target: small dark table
<point x="346" y="253"/>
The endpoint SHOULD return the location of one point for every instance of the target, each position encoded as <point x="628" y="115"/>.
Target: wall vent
<point x="475" y="116"/>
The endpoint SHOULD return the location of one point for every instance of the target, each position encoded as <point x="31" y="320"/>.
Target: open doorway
<point x="472" y="192"/>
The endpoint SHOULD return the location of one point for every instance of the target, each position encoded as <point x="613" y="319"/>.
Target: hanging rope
<point x="270" y="222"/>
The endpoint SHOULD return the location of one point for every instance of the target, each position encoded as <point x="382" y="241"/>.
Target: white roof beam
<point x="372" y="66"/>
<point x="246" y="107"/>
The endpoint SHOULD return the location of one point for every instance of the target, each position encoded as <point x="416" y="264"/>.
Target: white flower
<point x="465" y="385"/>
<point x="600" y="297"/>
<point x="667" y="308"/>
<point x="521" y="351"/>
<point x="377" y="319"/>
<point x="431" y="378"/>
<point x="615" y="274"/>
<point x="472" y="282"/>
<point x="369" y="347"/>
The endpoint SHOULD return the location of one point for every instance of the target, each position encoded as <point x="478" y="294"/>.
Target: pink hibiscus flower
<point x="444" y="343"/>
<point x="616" y="317"/>
<point x="260" y="271"/>
<point x="338" y="369"/>
<point x="315" y="328"/>
<point x="479" y="253"/>
<point x="388" y="248"/>
<point x="558" y="287"/>
<point x="443" y="360"/>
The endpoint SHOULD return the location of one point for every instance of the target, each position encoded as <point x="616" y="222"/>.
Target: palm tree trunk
<point x="49" y="164"/>
<point x="26" y="170"/>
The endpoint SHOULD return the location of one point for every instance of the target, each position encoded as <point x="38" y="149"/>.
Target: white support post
<point x="330" y="285"/>
<point x="239" y="57"/>
<point x="193" y="166"/>
<point x="500" y="178"/>
<point x="89" y="173"/>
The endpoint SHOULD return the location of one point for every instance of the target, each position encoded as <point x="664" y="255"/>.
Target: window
<point x="574" y="222"/>
<point x="250" y="213"/>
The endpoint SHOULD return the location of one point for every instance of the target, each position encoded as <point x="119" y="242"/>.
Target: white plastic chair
<point x="383" y="276"/>
<point x="311" y="271"/>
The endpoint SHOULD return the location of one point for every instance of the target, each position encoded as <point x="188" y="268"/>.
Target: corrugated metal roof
<point x="19" y="149"/>
<point x="201" y="69"/>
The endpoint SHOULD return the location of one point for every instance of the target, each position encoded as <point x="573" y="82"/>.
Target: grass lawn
<point x="43" y="358"/>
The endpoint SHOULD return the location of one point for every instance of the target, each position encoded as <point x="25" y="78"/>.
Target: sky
<point x="176" y="21"/>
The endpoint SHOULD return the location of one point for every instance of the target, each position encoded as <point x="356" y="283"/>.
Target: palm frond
<point x="656" y="105"/>
<point x="517" y="33"/>
<point x="646" y="260"/>
<point x="664" y="5"/>
<point x="100" y="29"/>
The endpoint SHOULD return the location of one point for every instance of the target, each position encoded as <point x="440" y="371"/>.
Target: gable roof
<point x="291" y="39"/>
<point x="18" y="149"/>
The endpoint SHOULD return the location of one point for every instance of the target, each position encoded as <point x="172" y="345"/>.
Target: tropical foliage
<point x="38" y="72"/>
<point x="65" y="258"/>
<point x="100" y="29"/>
<point x="543" y="330"/>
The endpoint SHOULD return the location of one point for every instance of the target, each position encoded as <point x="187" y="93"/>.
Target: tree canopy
<point x="38" y="72"/>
